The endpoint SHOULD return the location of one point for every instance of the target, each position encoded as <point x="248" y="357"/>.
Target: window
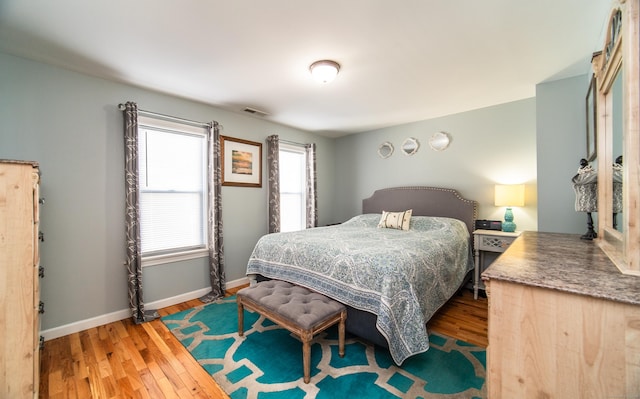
<point x="293" y="182"/>
<point x="172" y="173"/>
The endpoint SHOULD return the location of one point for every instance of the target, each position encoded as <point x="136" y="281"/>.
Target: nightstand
<point x="488" y="241"/>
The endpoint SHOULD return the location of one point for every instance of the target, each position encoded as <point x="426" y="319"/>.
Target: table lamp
<point x="509" y="195"/>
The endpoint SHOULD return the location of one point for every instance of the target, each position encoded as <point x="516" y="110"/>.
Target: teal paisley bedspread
<point x="403" y="277"/>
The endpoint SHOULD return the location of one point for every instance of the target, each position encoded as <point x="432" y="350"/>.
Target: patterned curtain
<point x="312" y="195"/>
<point x="216" y="247"/>
<point x="214" y="212"/>
<point x="132" y="216"/>
<point x="273" y="151"/>
<point x="617" y="187"/>
<point x="585" y="186"/>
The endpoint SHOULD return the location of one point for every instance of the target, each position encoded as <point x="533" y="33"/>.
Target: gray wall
<point x="561" y="142"/>
<point x="490" y="145"/>
<point x="70" y="123"/>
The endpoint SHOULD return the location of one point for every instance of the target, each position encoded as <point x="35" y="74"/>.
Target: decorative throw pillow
<point x="395" y="220"/>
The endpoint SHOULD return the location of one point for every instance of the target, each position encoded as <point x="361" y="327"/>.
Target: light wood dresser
<point x="19" y="279"/>
<point x="563" y="321"/>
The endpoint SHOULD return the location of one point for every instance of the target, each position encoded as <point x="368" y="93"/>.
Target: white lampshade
<point x="509" y="195"/>
<point x="324" y="71"/>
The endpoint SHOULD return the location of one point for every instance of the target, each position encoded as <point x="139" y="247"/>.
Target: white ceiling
<point x="402" y="60"/>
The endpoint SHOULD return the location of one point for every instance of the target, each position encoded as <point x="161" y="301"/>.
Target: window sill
<point x="175" y="257"/>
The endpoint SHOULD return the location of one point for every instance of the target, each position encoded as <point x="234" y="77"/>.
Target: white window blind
<point x="292" y="188"/>
<point x="172" y="170"/>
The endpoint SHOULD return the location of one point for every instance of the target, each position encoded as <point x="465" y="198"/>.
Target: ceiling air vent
<point x="255" y="112"/>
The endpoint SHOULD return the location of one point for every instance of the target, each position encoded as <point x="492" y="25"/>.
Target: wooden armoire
<point x="19" y="279"/>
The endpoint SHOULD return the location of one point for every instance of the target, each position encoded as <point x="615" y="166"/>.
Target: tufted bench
<point x="299" y="310"/>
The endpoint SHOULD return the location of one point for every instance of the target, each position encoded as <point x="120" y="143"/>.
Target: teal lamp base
<point x="508" y="225"/>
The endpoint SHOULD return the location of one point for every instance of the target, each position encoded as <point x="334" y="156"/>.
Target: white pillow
<point x="395" y="220"/>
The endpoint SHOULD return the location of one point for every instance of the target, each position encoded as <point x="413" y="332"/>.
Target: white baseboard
<point x="237" y="283"/>
<point x="97" y="321"/>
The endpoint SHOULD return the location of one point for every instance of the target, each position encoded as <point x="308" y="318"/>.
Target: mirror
<point x="591" y="120"/>
<point x="615" y="94"/>
<point x="617" y="71"/>
<point x="385" y="150"/>
<point x="439" y="141"/>
<point x="410" y="146"/>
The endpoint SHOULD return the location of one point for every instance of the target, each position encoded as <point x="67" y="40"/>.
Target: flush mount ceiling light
<point x="324" y="71"/>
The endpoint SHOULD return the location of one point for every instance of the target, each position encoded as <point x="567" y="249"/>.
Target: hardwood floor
<point x="124" y="360"/>
<point x="463" y="318"/>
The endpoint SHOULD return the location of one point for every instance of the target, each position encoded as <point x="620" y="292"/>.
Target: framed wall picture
<point x="241" y="162"/>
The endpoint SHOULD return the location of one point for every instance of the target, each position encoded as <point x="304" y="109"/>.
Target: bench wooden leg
<point x="240" y="317"/>
<point x="341" y="328"/>
<point x="306" y="355"/>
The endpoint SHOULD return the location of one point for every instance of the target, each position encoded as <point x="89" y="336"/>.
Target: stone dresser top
<point x="564" y="262"/>
<point x="32" y="163"/>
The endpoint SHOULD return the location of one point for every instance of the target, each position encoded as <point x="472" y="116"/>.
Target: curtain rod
<point x="122" y="107"/>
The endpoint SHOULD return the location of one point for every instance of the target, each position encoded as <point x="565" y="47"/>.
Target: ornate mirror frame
<point x="385" y="150"/>
<point x="410" y="146"/>
<point x="439" y="141"/>
<point x="619" y="56"/>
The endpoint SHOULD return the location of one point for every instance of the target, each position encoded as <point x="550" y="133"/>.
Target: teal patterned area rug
<point x="267" y="362"/>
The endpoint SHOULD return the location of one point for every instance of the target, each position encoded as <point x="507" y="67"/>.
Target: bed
<point x="392" y="281"/>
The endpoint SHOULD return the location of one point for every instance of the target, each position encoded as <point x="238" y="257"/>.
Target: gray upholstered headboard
<point x="425" y="201"/>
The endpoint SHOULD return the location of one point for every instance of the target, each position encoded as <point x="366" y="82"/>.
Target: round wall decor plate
<point x="385" y="150"/>
<point x="439" y="141"/>
<point x="410" y="146"/>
